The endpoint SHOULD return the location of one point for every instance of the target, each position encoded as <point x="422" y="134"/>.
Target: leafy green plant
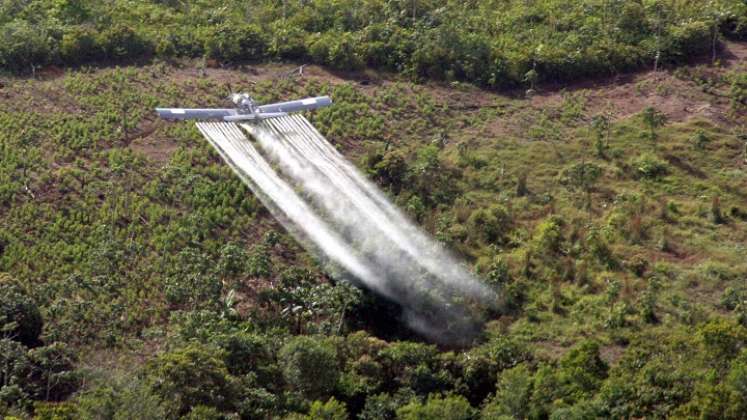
<point x="653" y="119"/>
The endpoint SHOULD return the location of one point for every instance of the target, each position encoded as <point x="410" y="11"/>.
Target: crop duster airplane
<point x="246" y="109"/>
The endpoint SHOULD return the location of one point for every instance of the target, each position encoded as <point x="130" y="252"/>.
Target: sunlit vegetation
<point x="489" y="42"/>
<point x="142" y="279"/>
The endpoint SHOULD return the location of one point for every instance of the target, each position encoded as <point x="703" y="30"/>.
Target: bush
<point x="451" y="407"/>
<point x="335" y="50"/>
<point x="79" y="45"/>
<point x="53" y="376"/>
<point x="582" y="369"/>
<point x="309" y="366"/>
<point x="722" y="339"/>
<point x="23" y="45"/>
<point x="119" y="399"/>
<point x="548" y="236"/>
<point x="191" y="376"/>
<point x="236" y="43"/>
<point x="649" y="166"/>
<point x="14" y="366"/>
<point x="331" y="410"/>
<point x="512" y="396"/>
<point x="20" y="318"/>
<point x="490" y="224"/>
<point x="120" y="42"/>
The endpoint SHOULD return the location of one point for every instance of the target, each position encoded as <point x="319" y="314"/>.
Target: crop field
<point x="604" y="203"/>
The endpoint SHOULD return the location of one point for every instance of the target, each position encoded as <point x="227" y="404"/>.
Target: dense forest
<point x="586" y="159"/>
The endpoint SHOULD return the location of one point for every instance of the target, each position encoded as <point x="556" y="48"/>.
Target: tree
<point x="721" y="340"/>
<point x="513" y="394"/>
<point x="20" y="318"/>
<point x="330" y="410"/>
<point x="14" y="364"/>
<point x="53" y="375"/>
<point x="191" y="376"/>
<point x="653" y="119"/>
<point x="582" y="176"/>
<point x="450" y="407"/>
<point x="602" y="130"/>
<point x="120" y="399"/>
<point x="309" y="365"/>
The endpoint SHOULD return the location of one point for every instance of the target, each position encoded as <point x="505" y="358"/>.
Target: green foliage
<point x="309" y="365"/>
<point x="53" y="376"/>
<point x="330" y="410"/>
<point x="132" y="237"/>
<point x="738" y="92"/>
<point x="512" y="396"/>
<point x="492" y="224"/>
<point x="20" y="319"/>
<point x="722" y="340"/>
<point x="236" y="43"/>
<point x="24" y="45"/>
<point x="514" y="44"/>
<point x="649" y="166"/>
<point x="14" y="368"/>
<point x="119" y="399"/>
<point x="450" y="407"/>
<point x="548" y="236"/>
<point x="653" y="119"/>
<point x="582" y="176"/>
<point x="189" y="377"/>
<point x="120" y="42"/>
<point x="55" y="411"/>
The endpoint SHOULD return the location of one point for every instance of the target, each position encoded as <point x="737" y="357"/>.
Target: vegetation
<point x="142" y="279"/>
<point x="488" y="42"/>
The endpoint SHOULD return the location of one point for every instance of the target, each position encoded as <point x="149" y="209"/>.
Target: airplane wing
<point x="194" y="113"/>
<point x="296" y="106"/>
<point x="251" y="117"/>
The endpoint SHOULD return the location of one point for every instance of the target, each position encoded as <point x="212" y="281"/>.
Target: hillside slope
<point x="610" y="215"/>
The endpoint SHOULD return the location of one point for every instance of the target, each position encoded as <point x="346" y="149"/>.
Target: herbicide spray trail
<point x="350" y="225"/>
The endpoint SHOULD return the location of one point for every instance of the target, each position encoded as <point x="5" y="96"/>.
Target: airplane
<point x="246" y="109"/>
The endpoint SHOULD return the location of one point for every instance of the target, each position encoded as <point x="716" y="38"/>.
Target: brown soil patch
<point x="551" y="350"/>
<point x="159" y="149"/>
<point x="626" y="95"/>
<point x="611" y="354"/>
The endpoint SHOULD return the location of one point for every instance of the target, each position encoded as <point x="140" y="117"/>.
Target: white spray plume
<point x="345" y="220"/>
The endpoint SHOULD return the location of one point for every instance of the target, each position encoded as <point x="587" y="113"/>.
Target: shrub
<point x="649" y="166"/>
<point x="79" y="45"/>
<point x="738" y="92"/>
<point x="14" y="365"/>
<point x="490" y="224"/>
<point x="202" y="412"/>
<point x="336" y="50"/>
<point x="120" y="42"/>
<point x="548" y="236"/>
<point x="582" y="369"/>
<point x="391" y="171"/>
<point x="53" y="376"/>
<point x="23" y="45"/>
<point x="331" y="410"/>
<point x="450" y="407"/>
<point x="653" y="119"/>
<point x="232" y="42"/>
<point x="191" y="376"/>
<point x="722" y="340"/>
<point x="20" y="318"/>
<point x="512" y="396"/>
<point x="120" y="399"/>
<point x="309" y="365"/>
